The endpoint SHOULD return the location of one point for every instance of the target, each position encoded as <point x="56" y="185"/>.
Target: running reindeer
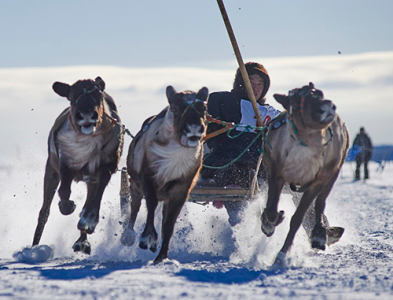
<point x="163" y="163"/>
<point x="307" y="152"/>
<point x="85" y="144"/>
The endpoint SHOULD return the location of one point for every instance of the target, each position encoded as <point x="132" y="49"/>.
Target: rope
<point x="228" y="126"/>
<point x="296" y="132"/>
<point x="236" y="158"/>
<point x="125" y="130"/>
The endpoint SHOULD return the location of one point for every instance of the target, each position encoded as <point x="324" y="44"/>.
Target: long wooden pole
<point x="254" y="184"/>
<point x="239" y="58"/>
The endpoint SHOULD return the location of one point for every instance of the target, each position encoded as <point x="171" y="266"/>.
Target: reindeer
<point x="85" y="144"/>
<point x="163" y="163"/>
<point x="307" y="151"/>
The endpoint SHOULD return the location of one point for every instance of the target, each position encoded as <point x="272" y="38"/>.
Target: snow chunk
<point x="35" y="254"/>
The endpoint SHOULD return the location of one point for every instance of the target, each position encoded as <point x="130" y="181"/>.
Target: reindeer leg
<point x="51" y="181"/>
<point x="322" y="234"/>
<point x="333" y="233"/>
<point x="149" y="237"/>
<point x="82" y="244"/>
<point x="89" y="216"/>
<point x="66" y="205"/>
<point x="296" y="221"/>
<point x="270" y="217"/>
<point x="171" y="211"/>
<point x="129" y="236"/>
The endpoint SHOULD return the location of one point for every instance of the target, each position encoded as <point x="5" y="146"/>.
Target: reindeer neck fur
<point x="169" y="159"/>
<point x="303" y="161"/>
<point x="79" y="149"/>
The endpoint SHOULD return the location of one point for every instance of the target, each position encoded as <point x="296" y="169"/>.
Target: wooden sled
<point x="203" y="193"/>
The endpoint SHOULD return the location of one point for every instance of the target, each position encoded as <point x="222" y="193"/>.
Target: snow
<point x="209" y="259"/>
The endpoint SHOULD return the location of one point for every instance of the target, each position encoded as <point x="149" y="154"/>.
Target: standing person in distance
<point x="363" y="143"/>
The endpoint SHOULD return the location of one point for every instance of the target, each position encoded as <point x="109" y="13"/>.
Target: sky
<point x="180" y="33"/>
<point x="140" y="47"/>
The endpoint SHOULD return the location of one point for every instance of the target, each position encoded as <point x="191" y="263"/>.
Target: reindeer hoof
<point x="318" y="238"/>
<point x="82" y="246"/>
<point x="67" y="207"/>
<point x="318" y="244"/>
<point x="160" y="259"/>
<point x="146" y="245"/>
<point x="279" y="262"/>
<point x="88" y="221"/>
<point x="128" y="237"/>
<point x="269" y="227"/>
<point x="334" y="234"/>
<point x="149" y="241"/>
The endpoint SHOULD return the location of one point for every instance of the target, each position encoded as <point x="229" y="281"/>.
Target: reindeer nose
<point x="79" y="116"/>
<point x="329" y="104"/>
<point x="86" y="115"/>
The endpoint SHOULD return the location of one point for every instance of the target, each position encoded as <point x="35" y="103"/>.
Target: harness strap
<point x="110" y="127"/>
<point x="227" y="126"/>
<point x="85" y="91"/>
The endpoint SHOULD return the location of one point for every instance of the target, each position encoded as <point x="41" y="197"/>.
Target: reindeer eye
<point x="295" y="106"/>
<point x="200" y="106"/>
<point x="175" y="110"/>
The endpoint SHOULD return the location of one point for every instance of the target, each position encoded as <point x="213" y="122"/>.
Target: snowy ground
<point x="210" y="260"/>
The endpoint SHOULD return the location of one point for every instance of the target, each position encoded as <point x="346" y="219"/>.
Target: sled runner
<point x="205" y="194"/>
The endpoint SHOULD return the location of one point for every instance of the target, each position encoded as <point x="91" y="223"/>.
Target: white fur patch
<point x="173" y="161"/>
<point x="79" y="149"/>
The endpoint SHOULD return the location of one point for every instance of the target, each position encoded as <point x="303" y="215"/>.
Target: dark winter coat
<point x="364" y="142"/>
<point x="226" y="106"/>
<point x="236" y="107"/>
<point x="228" y="146"/>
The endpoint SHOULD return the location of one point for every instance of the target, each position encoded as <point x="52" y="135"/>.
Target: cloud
<point x="360" y="85"/>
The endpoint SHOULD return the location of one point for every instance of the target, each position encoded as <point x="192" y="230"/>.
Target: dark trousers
<point x="359" y="162"/>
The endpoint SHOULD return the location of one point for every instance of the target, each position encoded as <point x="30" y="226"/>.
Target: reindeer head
<point x="188" y="111"/>
<point x="86" y="97"/>
<point x="307" y="107"/>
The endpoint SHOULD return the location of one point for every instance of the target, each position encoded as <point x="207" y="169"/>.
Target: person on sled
<point x="235" y="106"/>
<point x="234" y="154"/>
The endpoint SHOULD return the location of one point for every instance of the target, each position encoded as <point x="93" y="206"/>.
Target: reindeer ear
<point x="283" y="100"/>
<point x="62" y="89"/>
<point x="170" y="91"/>
<point x="100" y="83"/>
<point x="203" y="94"/>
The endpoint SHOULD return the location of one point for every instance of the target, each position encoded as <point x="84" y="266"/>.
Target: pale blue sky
<point x="136" y="33"/>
